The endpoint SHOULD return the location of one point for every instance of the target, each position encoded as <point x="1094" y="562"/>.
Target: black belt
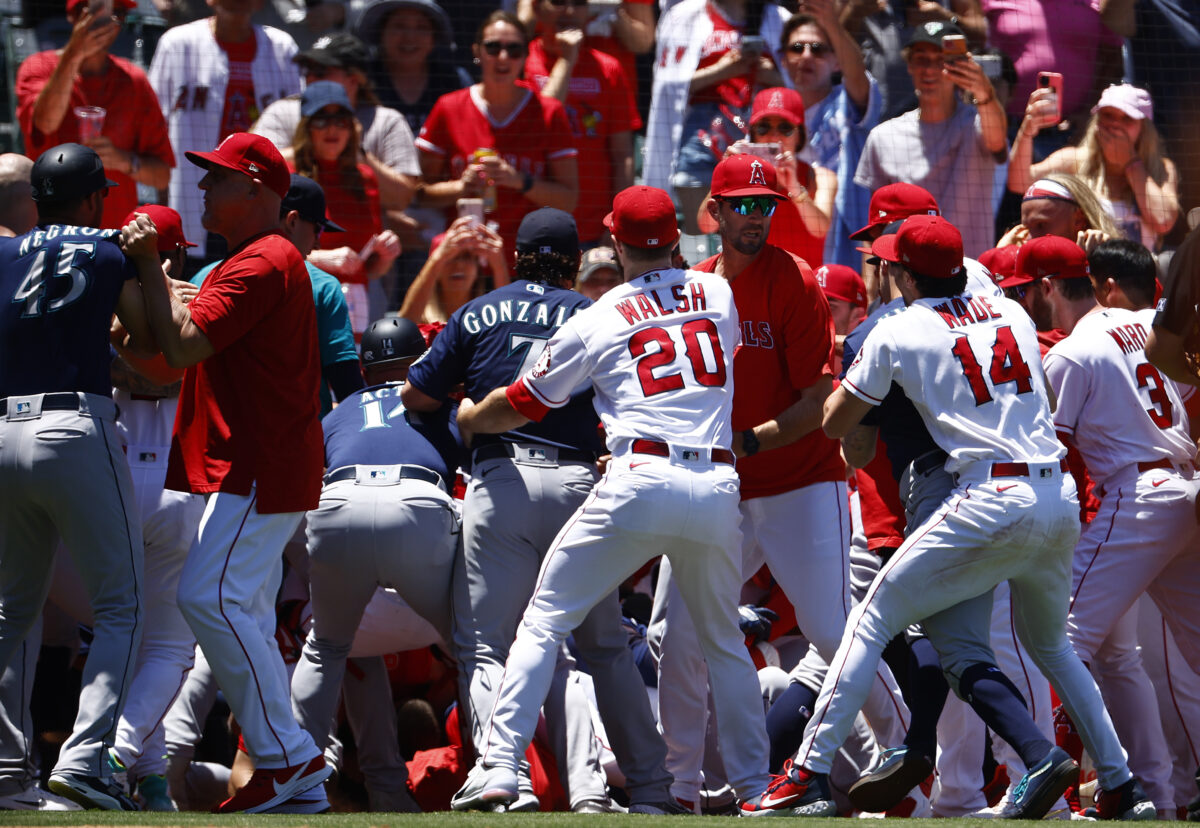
<point x="1021" y="469"/>
<point x="929" y="461"/>
<point x="407" y="472"/>
<point x="497" y="450"/>
<point x="657" y="448"/>
<point x="61" y="401"/>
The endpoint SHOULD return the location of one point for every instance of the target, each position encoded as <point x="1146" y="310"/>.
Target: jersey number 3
<point x="695" y="333"/>
<point x="32" y="290"/>
<point x="1007" y="366"/>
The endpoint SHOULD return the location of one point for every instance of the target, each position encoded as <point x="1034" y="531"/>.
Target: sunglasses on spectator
<point x="495" y="47"/>
<point x="766" y="128"/>
<point x="746" y="205"/>
<point x="817" y="48"/>
<point x="339" y="119"/>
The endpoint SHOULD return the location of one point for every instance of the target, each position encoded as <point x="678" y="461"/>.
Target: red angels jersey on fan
<point x="1117" y="407"/>
<point x="972" y="368"/>
<point x="659" y="352"/>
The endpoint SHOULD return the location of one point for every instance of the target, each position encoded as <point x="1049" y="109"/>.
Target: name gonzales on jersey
<point x="491" y="314"/>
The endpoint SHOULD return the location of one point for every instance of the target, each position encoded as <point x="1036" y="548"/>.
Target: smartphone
<point x="954" y="47"/>
<point x="101" y="9"/>
<point x="991" y="66"/>
<point x="1053" y="80"/>
<point x="753" y="45"/>
<point x="766" y="152"/>
<point x="472" y="208"/>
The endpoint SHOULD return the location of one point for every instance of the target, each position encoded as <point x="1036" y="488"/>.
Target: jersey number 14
<point x="1007" y="366"/>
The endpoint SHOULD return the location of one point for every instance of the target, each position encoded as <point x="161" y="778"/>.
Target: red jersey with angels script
<point x="787" y="345"/>
<point x="248" y="415"/>
<point x="533" y="135"/>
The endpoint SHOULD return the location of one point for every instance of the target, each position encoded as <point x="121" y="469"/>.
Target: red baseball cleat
<point x="269" y="787"/>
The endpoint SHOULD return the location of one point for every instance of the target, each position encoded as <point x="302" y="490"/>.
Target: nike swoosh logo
<point x="768" y="801"/>
<point x="635" y="465"/>
<point x="1006" y="488"/>
<point x="280" y="788"/>
<point x="1157" y="483"/>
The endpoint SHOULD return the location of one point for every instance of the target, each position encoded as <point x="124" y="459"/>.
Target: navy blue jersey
<point x="60" y="285"/>
<point x="371" y="427"/>
<point x="491" y="341"/>
<point x="901" y="427"/>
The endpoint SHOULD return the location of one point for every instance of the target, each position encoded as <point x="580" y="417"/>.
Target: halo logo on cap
<point x="756" y="173"/>
<point x="776" y="101"/>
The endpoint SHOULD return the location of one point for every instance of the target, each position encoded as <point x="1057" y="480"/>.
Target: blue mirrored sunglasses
<point x="745" y="205"/>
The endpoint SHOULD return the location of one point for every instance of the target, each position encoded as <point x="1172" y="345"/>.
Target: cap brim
<point x="864" y="233"/>
<point x="328" y="226"/>
<point x="320" y="56"/>
<point x="885" y="248"/>
<point x="110" y="183"/>
<point x="1016" y="280"/>
<point x="207" y="160"/>
<point x="753" y="190"/>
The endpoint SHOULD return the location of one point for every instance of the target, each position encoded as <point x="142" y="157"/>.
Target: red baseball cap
<point x="928" y="245"/>
<point x="780" y="102"/>
<point x="118" y="5"/>
<point x="168" y="224"/>
<point x="251" y="155"/>
<point x="841" y="282"/>
<point x="893" y="202"/>
<point x="1049" y="257"/>
<point x="643" y="217"/>
<point x="1001" y="262"/>
<point x="744" y="175"/>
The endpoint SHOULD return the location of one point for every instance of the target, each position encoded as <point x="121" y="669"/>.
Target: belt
<point x="61" y="401"/>
<point x="498" y="450"/>
<point x="929" y="461"/>
<point x="407" y="472"/>
<point x="1156" y="464"/>
<point x="1019" y="469"/>
<point x="661" y="449"/>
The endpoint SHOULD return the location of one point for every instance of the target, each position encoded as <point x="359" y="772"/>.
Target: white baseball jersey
<point x="972" y="367"/>
<point x="654" y="349"/>
<point x="979" y="279"/>
<point x="1116" y="406"/>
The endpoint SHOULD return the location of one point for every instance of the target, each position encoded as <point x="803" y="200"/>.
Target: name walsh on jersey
<point x="649" y="304"/>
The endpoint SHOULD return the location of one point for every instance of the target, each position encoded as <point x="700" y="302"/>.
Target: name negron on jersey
<point x="1129" y="338"/>
<point x="689" y="299"/>
<point x="39" y="237"/>
<point x="960" y="311"/>
<point x="514" y="310"/>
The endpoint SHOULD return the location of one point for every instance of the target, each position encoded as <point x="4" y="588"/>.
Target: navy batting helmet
<point x="390" y="339"/>
<point x="66" y="172"/>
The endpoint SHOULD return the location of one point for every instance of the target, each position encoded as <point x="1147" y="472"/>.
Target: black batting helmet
<point x="390" y="339"/>
<point x="67" y="172"/>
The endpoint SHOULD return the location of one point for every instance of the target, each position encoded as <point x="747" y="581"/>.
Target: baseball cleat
<point x="1127" y="802"/>
<point x="669" y="807"/>
<point x="312" y="801"/>
<point x="885" y="786"/>
<point x="795" y="792"/>
<point x="597" y="806"/>
<point x="1041" y="786"/>
<point x="269" y="787"/>
<point x="486" y="787"/>
<point x="34" y="798"/>
<point x="91" y="792"/>
<point x="152" y="794"/>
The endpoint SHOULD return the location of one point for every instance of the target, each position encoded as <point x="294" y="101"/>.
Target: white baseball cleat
<point x="34" y="798"/>
<point x="486" y="787"/>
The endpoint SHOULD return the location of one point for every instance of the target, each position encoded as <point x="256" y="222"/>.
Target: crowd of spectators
<point x="434" y="129"/>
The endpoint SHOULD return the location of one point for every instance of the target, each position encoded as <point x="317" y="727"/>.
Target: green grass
<point x="432" y="820"/>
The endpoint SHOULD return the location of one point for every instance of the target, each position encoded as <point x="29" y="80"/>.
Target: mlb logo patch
<point x="652" y="277"/>
<point x="147" y="456"/>
<point x="1046" y="473"/>
<point x="537" y="454"/>
<point x="691" y="455"/>
<point x="379" y="474"/>
<point x="24" y="407"/>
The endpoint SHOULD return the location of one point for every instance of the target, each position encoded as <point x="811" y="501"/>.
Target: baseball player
<point x="1012" y="516"/>
<point x="58" y="434"/>
<point x="385" y="519"/>
<point x="525" y="484"/>
<point x="792" y="476"/>
<point x="1132" y="430"/>
<point x="1172" y="346"/>
<point x="657" y="350"/>
<point x="248" y="438"/>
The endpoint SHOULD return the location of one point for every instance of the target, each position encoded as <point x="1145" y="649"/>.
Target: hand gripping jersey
<point x="654" y="349"/>
<point x="972" y="367"/>
<point x="1116" y="406"/>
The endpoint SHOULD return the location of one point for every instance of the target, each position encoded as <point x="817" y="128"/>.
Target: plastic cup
<point x="91" y="122"/>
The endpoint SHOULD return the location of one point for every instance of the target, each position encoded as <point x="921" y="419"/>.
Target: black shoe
<point x="1128" y="802"/>
<point x="1041" y="786"/>
<point x="91" y="792"/>
<point x="885" y="786"/>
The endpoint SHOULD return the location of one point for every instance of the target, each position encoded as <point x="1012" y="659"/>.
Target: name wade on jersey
<point x="960" y="311"/>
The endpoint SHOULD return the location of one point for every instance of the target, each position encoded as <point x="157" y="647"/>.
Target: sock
<point x="928" y="697"/>
<point x="1002" y="707"/>
<point x="786" y="721"/>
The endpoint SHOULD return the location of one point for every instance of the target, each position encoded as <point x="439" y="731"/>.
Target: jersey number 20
<point x="648" y="361"/>
<point x="1007" y="366"/>
<point x="32" y="290"/>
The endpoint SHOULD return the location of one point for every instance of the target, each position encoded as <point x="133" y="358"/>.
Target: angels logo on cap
<point x="756" y="173"/>
<point x="776" y="100"/>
